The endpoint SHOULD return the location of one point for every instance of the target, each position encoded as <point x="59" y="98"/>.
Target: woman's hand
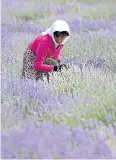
<point x="56" y="63"/>
<point x="60" y="67"/>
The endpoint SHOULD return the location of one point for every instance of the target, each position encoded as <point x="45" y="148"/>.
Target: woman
<point x="43" y="53"/>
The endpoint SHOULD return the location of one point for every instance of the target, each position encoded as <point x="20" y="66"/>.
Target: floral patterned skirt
<point x="28" y="66"/>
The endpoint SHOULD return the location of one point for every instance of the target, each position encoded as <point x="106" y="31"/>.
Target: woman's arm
<point x="40" y="57"/>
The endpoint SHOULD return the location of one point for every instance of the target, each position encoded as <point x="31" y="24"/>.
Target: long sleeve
<point x="40" y="57"/>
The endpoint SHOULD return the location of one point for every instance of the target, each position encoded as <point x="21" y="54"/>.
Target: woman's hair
<point x="62" y="34"/>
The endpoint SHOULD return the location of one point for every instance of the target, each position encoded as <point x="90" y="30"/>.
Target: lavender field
<point x="73" y="116"/>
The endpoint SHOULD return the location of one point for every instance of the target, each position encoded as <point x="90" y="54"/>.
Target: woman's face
<point x="59" y="39"/>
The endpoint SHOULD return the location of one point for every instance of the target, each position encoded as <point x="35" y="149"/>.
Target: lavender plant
<point x="45" y="140"/>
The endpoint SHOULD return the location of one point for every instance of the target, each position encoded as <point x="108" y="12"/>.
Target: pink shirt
<point x="44" y="47"/>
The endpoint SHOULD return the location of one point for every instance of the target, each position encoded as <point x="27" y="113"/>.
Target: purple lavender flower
<point x="45" y="140"/>
<point x="101" y="150"/>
